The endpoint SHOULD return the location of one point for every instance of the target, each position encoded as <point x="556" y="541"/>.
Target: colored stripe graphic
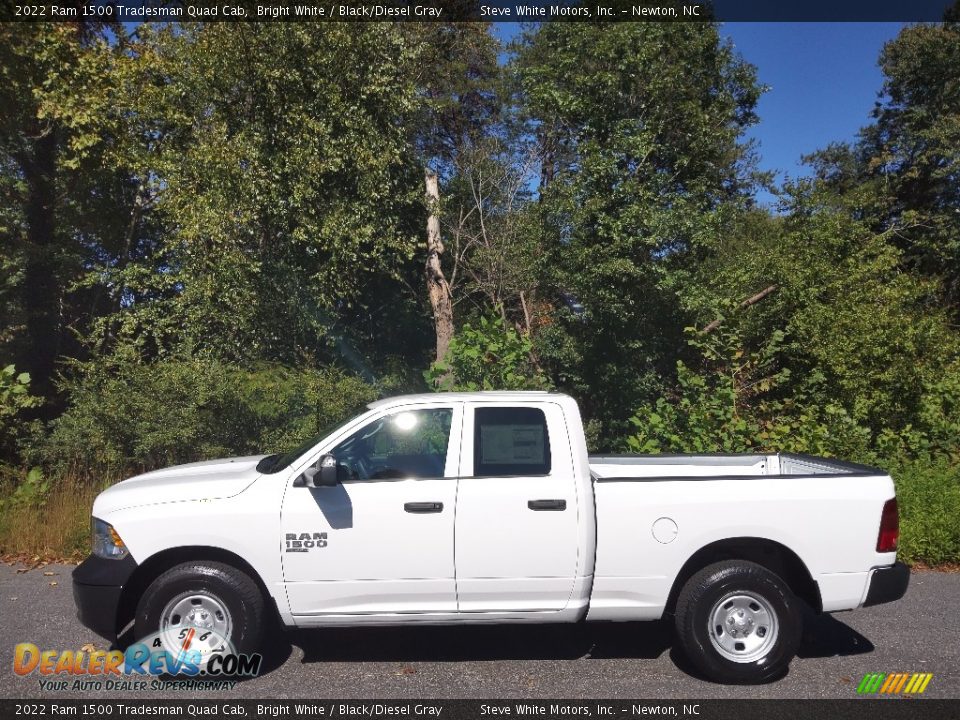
<point x="903" y="679"/>
<point x="890" y="683"/>
<point x="894" y="683"/>
<point x="870" y="683"/>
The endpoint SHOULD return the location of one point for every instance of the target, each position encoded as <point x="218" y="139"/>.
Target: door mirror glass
<point x="323" y="474"/>
<point x="327" y="475"/>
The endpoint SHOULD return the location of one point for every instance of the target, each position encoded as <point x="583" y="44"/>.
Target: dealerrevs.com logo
<point x="144" y="665"/>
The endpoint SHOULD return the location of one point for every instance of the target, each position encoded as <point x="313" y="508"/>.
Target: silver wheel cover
<point x="198" y="618"/>
<point x="743" y="626"/>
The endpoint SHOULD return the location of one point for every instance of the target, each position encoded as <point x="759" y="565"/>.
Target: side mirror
<point x="323" y="474"/>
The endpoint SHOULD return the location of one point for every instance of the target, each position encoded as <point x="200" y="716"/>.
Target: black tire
<point x="694" y="624"/>
<point x="231" y="587"/>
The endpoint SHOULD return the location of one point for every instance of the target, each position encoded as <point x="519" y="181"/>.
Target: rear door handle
<point x="547" y="504"/>
<point x="423" y="507"/>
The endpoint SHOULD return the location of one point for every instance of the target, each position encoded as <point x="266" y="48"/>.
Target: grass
<point x="56" y="526"/>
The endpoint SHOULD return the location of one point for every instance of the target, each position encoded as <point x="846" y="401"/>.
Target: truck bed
<point x="650" y="521"/>
<point x="673" y="467"/>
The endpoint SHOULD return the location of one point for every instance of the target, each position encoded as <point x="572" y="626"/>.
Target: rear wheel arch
<point x="772" y="555"/>
<point x="158" y="563"/>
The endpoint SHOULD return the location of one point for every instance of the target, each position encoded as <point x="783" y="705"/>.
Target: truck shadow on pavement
<point x="824" y="636"/>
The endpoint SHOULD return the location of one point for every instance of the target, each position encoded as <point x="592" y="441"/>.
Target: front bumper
<point x="887" y="584"/>
<point x="97" y="586"/>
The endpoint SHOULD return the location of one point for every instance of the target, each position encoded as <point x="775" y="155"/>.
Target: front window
<point x="405" y="444"/>
<point x="275" y="463"/>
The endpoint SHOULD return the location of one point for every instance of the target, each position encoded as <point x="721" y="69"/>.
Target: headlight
<point x="106" y="541"/>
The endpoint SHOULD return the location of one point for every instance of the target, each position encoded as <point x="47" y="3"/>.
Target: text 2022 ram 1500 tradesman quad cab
<point x="485" y="508"/>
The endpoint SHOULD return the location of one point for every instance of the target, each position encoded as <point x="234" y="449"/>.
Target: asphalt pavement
<point x="920" y="633"/>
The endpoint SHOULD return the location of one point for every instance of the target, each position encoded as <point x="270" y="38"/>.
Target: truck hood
<point x="207" y="480"/>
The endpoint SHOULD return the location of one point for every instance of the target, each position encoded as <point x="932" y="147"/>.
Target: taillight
<point x="889" y="527"/>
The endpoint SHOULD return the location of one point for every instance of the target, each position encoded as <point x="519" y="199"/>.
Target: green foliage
<point x="928" y="496"/>
<point x="860" y="333"/>
<point x="17" y="489"/>
<point x="14" y="394"/>
<point x="640" y="126"/>
<point x="913" y="150"/>
<point x="868" y="326"/>
<point x="939" y="414"/>
<point x="31" y="492"/>
<point x="901" y="176"/>
<point x="14" y="397"/>
<point x="56" y="215"/>
<point x="711" y="412"/>
<point x="275" y="190"/>
<point x="201" y="226"/>
<point x="736" y="402"/>
<point x="936" y="430"/>
<point x="133" y="416"/>
<point x="488" y="356"/>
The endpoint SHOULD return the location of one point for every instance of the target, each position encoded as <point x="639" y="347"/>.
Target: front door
<point x="517" y="532"/>
<point x="380" y="541"/>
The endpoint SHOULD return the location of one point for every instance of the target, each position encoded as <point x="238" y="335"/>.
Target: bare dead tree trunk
<point x="437" y="286"/>
<point x="526" y="313"/>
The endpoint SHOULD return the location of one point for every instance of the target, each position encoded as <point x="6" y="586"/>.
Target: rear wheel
<point x="738" y="622"/>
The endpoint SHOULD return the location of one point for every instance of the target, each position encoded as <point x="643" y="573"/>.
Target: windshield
<point x="277" y="462"/>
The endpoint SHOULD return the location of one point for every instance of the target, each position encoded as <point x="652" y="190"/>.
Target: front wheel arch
<point x="158" y="563"/>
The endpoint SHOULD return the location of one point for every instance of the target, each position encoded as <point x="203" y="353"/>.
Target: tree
<point x="495" y="234"/>
<point x="458" y="84"/>
<point x="903" y="173"/>
<point x="639" y="126"/>
<point x="915" y="148"/>
<point x="859" y="334"/>
<point x="54" y="213"/>
<point x="277" y="164"/>
<point x="437" y="286"/>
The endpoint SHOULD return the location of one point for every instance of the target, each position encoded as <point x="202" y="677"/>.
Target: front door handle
<point x="547" y="504"/>
<point x="423" y="507"/>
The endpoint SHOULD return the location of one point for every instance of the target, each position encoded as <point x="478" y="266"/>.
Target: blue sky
<point x="823" y="80"/>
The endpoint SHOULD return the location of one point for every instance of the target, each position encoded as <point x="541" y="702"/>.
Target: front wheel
<point x="738" y="622"/>
<point x="204" y="607"/>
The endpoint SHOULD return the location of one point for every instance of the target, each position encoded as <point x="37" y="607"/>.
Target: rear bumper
<point x="97" y="586"/>
<point x="887" y="584"/>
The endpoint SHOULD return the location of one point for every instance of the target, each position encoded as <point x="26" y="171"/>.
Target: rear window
<point x="510" y="441"/>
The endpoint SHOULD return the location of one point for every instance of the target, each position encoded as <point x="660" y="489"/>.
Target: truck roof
<point x="518" y="395"/>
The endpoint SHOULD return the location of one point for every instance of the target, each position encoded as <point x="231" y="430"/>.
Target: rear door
<point x="380" y="541"/>
<point x="516" y="535"/>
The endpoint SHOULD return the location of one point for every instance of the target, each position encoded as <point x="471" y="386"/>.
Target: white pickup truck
<point x="486" y="508"/>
